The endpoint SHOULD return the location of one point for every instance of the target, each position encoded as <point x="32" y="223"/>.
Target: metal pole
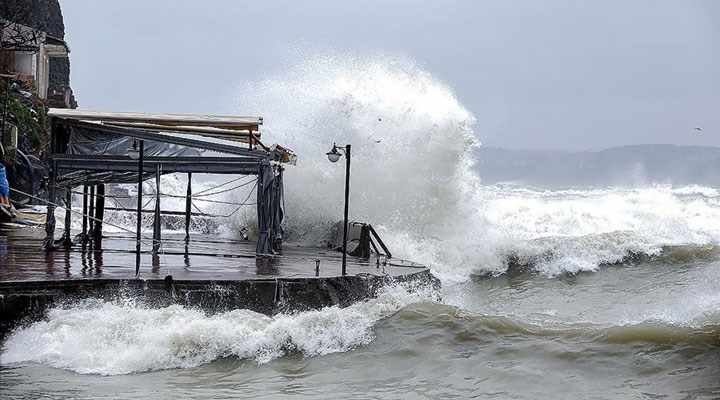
<point x="85" y="214"/>
<point x="347" y="196"/>
<point x="157" y="219"/>
<point x="139" y="208"/>
<point x="91" y="211"/>
<point x="49" y="242"/>
<point x="188" y="203"/>
<point x="67" y="241"/>
<point x="99" y="211"/>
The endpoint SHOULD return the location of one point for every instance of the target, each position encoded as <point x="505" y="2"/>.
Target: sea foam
<point x="108" y="338"/>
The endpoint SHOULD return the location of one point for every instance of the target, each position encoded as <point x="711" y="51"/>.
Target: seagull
<point x="699" y="129"/>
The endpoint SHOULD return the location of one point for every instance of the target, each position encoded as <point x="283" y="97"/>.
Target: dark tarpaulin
<point x="270" y="209"/>
<point x="89" y="141"/>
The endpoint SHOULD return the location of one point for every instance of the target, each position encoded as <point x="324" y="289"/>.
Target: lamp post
<point x="334" y="156"/>
<point x="136" y="153"/>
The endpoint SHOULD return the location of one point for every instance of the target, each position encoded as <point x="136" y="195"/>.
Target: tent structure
<point x="94" y="148"/>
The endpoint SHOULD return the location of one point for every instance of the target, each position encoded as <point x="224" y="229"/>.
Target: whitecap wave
<point x="110" y="338"/>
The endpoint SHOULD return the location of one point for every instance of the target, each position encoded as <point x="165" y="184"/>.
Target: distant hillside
<point x="640" y="165"/>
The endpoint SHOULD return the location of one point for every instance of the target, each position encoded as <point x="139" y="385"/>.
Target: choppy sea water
<point x="650" y="329"/>
<point x="607" y="293"/>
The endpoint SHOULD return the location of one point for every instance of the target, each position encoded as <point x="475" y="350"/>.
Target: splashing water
<point x="412" y="143"/>
<point x="128" y="337"/>
<point x="413" y="177"/>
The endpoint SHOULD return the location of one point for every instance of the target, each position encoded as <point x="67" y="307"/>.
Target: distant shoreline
<point x="633" y="165"/>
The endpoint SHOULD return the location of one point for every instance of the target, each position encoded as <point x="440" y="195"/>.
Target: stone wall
<point x="24" y="302"/>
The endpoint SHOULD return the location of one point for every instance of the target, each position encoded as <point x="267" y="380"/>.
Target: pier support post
<point x="188" y="204"/>
<point x="85" y="214"/>
<point x="157" y="223"/>
<point x="66" y="240"/>
<point x="99" y="212"/>
<point x="139" y="208"/>
<point x="49" y="242"/>
<point x="91" y="211"/>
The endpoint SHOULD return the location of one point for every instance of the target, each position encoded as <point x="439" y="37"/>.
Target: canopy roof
<point x="237" y="128"/>
<point x="90" y="146"/>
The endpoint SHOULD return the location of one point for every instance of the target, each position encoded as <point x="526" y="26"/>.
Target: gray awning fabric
<point x="95" y="140"/>
<point x="91" y="153"/>
<point x="270" y="207"/>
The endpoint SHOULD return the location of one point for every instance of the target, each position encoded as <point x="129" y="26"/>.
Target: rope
<point x="151" y="240"/>
<point x="221" y="185"/>
<point x="240" y="205"/>
<point x="143" y="239"/>
<point x="146" y="239"/>
<point x="176" y="196"/>
<point x="224" y="191"/>
<point x="225" y="202"/>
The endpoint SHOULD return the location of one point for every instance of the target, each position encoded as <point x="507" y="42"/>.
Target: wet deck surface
<point x="202" y="259"/>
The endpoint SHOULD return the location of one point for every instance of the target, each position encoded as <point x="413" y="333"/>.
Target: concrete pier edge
<point x="23" y="302"/>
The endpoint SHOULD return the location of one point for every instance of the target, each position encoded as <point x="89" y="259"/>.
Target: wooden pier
<point x="215" y="275"/>
<point x="91" y="149"/>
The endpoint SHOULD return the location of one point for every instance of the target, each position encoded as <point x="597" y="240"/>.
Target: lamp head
<point x="134" y="151"/>
<point x="333" y="155"/>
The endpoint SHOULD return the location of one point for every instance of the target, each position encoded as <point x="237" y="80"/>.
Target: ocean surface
<point x="559" y="291"/>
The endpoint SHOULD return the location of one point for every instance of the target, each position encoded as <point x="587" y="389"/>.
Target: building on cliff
<point x="26" y="53"/>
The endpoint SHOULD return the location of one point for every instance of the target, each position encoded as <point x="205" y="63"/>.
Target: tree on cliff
<point x="43" y="15"/>
<point x="16" y="15"/>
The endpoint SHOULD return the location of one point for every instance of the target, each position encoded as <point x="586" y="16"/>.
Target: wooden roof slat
<point x="204" y="120"/>
<point x="219" y="133"/>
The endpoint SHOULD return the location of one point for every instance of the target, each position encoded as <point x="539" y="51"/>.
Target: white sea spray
<point x="109" y="338"/>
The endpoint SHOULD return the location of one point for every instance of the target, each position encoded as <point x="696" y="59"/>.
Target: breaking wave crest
<point x="109" y="338"/>
<point x="411" y="144"/>
<point x="568" y="231"/>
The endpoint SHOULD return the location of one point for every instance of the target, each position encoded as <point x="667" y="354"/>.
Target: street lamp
<point x="334" y="156"/>
<point x="136" y="153"/>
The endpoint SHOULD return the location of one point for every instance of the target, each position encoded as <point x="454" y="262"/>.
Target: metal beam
<point x="243" y="168"/>
<point x="157" y="219"/>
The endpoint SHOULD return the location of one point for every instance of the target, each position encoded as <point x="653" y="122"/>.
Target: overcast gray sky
<point x="569" y="75"/>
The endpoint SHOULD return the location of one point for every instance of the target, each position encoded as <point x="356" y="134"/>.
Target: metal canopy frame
<point x="173" y="137"/>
